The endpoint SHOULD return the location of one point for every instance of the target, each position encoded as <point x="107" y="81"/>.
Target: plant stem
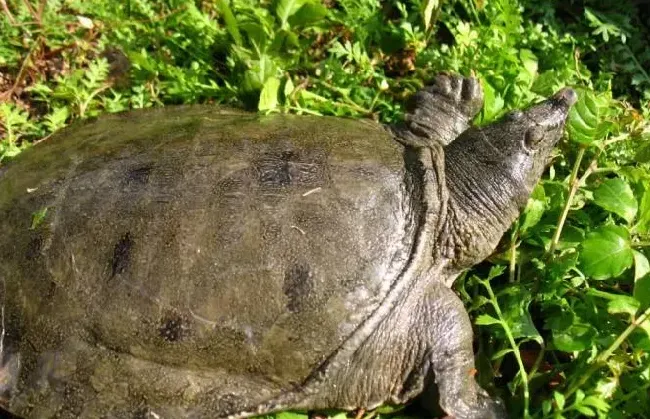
<point x="604" y="356"/>
<point x="10" y="16"/>
<point x="513" y="345"/>
<point x="512" y="271"/>
<point x="573" y="188"/>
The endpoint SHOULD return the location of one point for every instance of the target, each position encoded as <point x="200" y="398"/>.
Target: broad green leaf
<point x="642" y="290"/>
<point x="606" y="252"/>
<point x="623" y="304"/>
<point x="643" y="152"/>
<point x="642" y="225"/>
<point x="260" y="71"/>
<point x="641" y="279"/>
<point x="486" y="320"/>
<point x="529" y="61"/>
<point x="576" y="337"/>
<point x="585" y="117"/>
<point x="616" y="196"/>
<point x="641" y="265"/>
<point x="571" y="237"/>
<point x="308" y="14"/>
<point x="269" y="95"/>
<point x="256" y="33"/>
<point x="514" y="302"/>
<point x="285" y="9"/>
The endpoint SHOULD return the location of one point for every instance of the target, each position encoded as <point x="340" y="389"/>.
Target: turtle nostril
<point x="568" y="96"/>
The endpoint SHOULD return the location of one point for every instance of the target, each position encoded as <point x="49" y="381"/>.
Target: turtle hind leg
<point x="444" y="109"/>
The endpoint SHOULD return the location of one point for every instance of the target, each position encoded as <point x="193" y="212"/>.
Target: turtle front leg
<point x="443" y="110"/>
<point x="451" y="358"/>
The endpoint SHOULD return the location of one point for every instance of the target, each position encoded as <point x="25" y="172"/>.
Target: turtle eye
<point x="514" y="115"/>
<point x="532" y="138"/>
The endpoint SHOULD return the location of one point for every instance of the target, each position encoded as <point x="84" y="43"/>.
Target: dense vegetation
<point x="561" y="309"/>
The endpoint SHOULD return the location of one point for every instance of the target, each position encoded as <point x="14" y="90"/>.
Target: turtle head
<point x="491" y="170"/>
<point x="521" y="141"/>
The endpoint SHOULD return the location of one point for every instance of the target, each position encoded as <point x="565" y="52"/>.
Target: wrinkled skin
<point x="202" y="262"/>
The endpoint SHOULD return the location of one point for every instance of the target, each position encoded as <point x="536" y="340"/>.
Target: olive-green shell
<point x="205" y="238"/>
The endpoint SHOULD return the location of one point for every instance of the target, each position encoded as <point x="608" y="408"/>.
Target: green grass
<point x="561" y="309"/>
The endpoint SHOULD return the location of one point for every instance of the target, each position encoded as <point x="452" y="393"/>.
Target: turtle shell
<point x="204" y="239"/>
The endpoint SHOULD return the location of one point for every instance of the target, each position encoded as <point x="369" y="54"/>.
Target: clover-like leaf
<point x="616" y="196"/>
<point x="606" y="252"/>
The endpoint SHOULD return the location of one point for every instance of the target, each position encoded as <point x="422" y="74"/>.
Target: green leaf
<point x="486" y="320"/>
<point x="534" y="209"/>
<point x="643" y="152"/>
<point x="514" y="302"/>
<point x="291" y="415"/>
<point x="616" y="196"/>
<point x="269" y="95"/>
<point x="585" y="118"/>
<point x="500" y="354"/>
<point x="641" y="279"/>
<point x="493" y="103"/>
<point x="559" y="399"/>
<point x="576" y="337"/>
<point x="584" y="410"/>
<point x="288" y="88"/>
<point x="38" y="217"/>
<point x="623" y="304"/>
<point x="308" y="14"/>
<point x="428" y="9"/>
<point x="642" y="225"/>
<point x="641" y="265"/>
<point x="229" y="19"/>
<point x="285" y="9"/>
<point x="596" y="402"/>
<point x="606" y="252"/>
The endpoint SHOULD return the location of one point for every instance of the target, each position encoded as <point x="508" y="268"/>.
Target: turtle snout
<point x="566" y="96"/>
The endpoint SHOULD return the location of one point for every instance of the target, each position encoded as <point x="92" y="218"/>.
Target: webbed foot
<point x="444" y="109"/>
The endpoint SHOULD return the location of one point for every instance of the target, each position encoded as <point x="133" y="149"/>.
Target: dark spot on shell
<point x="284" y="168"/>
<point x="121" y="255"/>
<point x="298" y="284"/>
<point x="138" y="175"/>
<point x="173" y="328"/>
<point x="274" y="169"/>
<point x="34" y="247"/>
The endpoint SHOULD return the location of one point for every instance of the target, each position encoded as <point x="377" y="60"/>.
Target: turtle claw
<point x="444" y="109"/>
<point x="464" y="93"/>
